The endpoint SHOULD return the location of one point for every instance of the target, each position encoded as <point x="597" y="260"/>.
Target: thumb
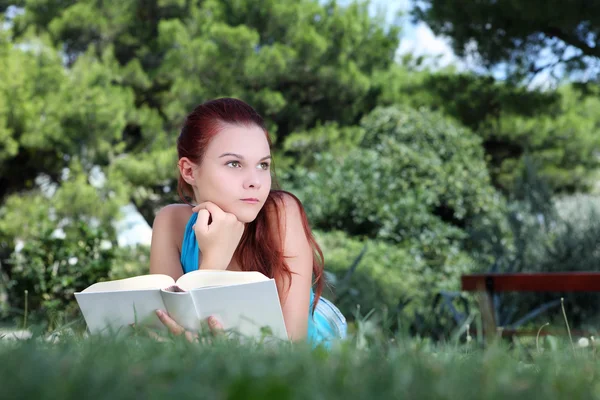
<point x="215" y="325"/>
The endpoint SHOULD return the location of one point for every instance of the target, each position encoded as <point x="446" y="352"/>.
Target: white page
<point x="117" y="310"/>
<point x="204" y="278"/>
<point x="244" y="308"/>
<point x="154" y="281"/>
<point x="180" y="307"/>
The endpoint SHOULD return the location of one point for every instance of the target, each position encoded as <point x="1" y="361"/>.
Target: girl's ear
<point x="186" y="169"/>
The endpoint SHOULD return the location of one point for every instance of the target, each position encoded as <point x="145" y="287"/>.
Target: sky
<point x="416" y="39"/>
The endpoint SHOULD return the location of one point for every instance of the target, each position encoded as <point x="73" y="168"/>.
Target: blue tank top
<point x="327" y="323"/>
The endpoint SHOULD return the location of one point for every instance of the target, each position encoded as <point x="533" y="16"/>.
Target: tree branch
<point x="572" y="40"/>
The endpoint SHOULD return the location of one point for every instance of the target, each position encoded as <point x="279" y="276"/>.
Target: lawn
<point x="135" y="366"/>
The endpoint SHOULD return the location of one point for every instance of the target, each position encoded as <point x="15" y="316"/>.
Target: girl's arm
<point x="164" y="248"/>
<point x="299" y="257"/>
<point x="167" y="234"/>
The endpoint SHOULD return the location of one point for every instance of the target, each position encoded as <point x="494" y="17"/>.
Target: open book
<point x="245" y="302"/>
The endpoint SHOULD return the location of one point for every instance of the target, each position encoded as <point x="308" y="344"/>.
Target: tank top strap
<point x="189" y="247"/>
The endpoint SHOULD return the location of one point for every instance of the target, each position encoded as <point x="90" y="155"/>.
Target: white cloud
<point x="133" y="229"/>
<point x="419" y="40"/>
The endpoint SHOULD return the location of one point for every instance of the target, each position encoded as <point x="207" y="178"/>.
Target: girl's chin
<point x="246" y="218"/>
<point x="243" y="215"/>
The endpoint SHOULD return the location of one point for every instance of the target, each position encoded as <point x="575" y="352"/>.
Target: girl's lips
<point x="250" y="200"/>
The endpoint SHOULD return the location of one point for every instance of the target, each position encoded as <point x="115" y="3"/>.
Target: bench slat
<point x="534" y="282"/>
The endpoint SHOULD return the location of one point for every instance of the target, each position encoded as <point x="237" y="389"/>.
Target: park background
<point x="426" y="140"/>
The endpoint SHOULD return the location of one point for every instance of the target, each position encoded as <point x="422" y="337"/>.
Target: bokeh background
<point x="426" y="139"/>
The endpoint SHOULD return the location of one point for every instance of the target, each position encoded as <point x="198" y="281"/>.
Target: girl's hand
<point x="215" y="326"/>
<point x="219" y="239"/>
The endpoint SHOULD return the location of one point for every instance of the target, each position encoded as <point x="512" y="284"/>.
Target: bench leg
<point x="486" y="307"/>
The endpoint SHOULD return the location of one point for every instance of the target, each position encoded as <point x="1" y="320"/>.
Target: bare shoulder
<point x="167" y="234"/>
<point x="286" y="214"/>
<point x="171" y="220"/>
<point x="286" y="205"/>
<point x="175" y="213"/>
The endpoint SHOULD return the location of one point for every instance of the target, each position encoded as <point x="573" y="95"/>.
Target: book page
<point x="205" y="278"/>
<point x="114" y="311"/>
<point x="245" y="309"/>
<point x="180" y="307"/>
<point x="143" y="282"/>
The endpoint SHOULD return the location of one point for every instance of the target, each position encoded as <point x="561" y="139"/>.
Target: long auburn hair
<point x="261" y="247"/>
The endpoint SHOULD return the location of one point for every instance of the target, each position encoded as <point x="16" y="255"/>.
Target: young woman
<point x="233" y="219"/>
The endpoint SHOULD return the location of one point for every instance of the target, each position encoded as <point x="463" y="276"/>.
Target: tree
<point x="298" y="63"/>
<point x="520" y="33"/>
<point x="559" y="129"/>
<point x="92" y="94"/>
<point x="416" y="177"/>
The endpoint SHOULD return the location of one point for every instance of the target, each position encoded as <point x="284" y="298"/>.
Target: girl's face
<point x="235" y="171"/>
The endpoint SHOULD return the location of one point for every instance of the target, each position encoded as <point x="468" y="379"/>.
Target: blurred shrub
<point x="51" y="268"/>
<point x="547" y="234"/>
<point x="54" y="241"/>
<point x="389" y="279"/>
<point x="130" y="261"/>
<point x="570" y="241"/>
<point x="300" y="148"/>
<point x="417" y="178"/>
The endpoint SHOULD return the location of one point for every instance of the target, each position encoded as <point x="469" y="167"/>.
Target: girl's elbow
<point x="297" y="333"/>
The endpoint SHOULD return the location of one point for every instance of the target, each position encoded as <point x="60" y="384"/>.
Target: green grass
<point x="139" y="367"/>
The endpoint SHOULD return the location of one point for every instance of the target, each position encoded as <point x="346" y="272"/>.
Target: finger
<point x="202" y="221"/>
<point x="216" y="211"/>
<point x="203" y="206"/>
<point x="191" y="337"/>
<point x="140" y="329"/>
<point x="156" y="336"/>
<point x="173" y="326"/>
<point x="215" y="325"/>
<point x="198" y="207"/>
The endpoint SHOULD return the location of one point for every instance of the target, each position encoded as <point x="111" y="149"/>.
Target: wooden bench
<point x="530" y="282"/>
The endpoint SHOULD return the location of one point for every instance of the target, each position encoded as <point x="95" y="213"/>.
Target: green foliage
<point x="51" y="117"/>
<point x="46" y="272"/>
<point x="474" y="100"/>
<point x="92" y="94"/>
<point x="416" y="176"/>
<point x="57" y="207"/>
<point x="130" y="261"/>
<point x="389" y="279"/>
<point x="558" y="129"/>
<point x="477" y="101"/>
<point x="564" y="144"/>
<point x="68" y="243"/>
<point x="416" y="184"/>
<point x="299" y="63"/>
<point x="571" y="244"/>
<point x="540" y="233"/>
<point x="300" y="147"/>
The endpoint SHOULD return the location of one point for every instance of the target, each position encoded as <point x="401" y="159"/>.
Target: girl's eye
<point x="236" y="164"/>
